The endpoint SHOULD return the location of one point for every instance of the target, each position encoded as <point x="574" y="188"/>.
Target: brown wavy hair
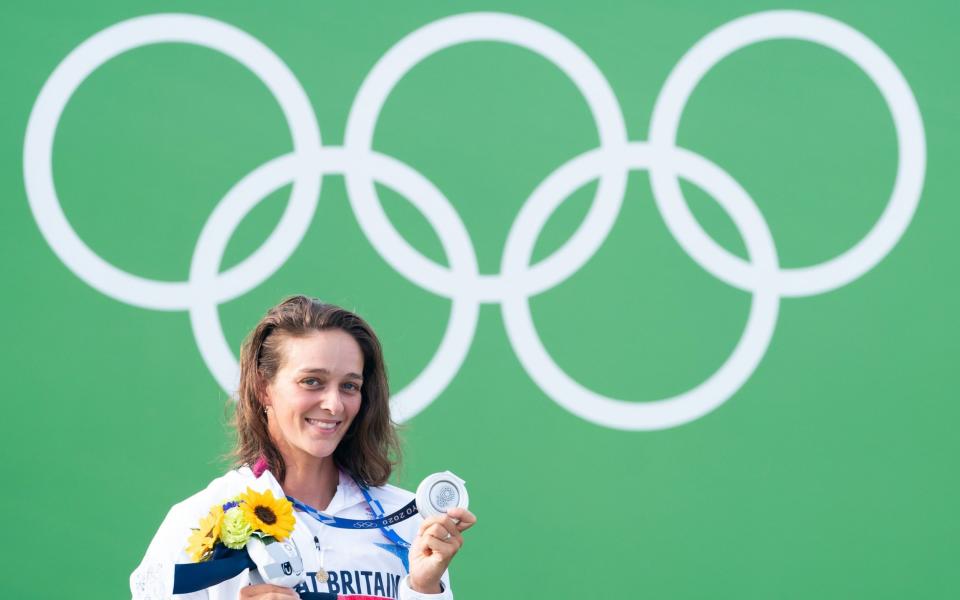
<point x="370" y="448"/>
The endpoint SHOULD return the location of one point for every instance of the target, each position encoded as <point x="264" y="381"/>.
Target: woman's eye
<point x="311" y="381"/>
<point x="352" y="387"/>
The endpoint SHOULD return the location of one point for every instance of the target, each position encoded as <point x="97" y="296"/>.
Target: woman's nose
<point x="332" y="401"/>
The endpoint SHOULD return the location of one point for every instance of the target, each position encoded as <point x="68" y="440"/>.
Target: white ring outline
<point x="740" y="365"/>
<point x="445" y="33"/>
<point x="90" y="55"/>
<point x="911" y="145"/>
<point x="259" y="184"/>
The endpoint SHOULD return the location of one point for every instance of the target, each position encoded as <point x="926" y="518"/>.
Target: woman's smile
<point x="324" y="426"/>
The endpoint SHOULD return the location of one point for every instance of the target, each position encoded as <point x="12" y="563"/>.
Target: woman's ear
<point x="263" y="390"/>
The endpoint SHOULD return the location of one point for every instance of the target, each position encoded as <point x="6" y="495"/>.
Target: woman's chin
<point x="321" y="449"/>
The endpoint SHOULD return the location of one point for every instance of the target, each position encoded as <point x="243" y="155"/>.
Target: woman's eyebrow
<point x="322" y="371"/>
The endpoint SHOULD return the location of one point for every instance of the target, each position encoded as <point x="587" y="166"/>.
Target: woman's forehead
<point x="331" y="350"/>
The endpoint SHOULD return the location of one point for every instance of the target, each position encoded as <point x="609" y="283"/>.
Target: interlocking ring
<point x="518" y="280"/>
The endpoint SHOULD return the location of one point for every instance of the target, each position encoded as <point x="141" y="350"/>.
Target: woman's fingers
<point x="267" y="592"/>
<point x="445" y="532"/>
<point x="438" y="541"/>
<point x="441" y="527"/>
<point x="445" y="549"/>
<point x="464" y="518"/>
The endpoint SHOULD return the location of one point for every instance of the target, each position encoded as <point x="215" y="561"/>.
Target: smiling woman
<point x="301" y="354"/>
<point x="313" y="432"/>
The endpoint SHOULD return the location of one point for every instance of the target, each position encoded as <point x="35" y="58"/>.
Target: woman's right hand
<point x="266" y="591"/>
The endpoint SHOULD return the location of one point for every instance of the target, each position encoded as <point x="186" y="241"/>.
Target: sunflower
<point x="203" y="538"/>
<point x="272" y="516"/>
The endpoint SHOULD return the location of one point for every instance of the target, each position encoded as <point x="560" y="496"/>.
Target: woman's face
<point x="315" y="394"/>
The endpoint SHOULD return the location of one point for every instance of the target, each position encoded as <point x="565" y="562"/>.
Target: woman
<point x="313" y="423"/>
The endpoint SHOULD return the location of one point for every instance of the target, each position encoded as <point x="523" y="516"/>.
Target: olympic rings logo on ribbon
<point x="461" y="282"/>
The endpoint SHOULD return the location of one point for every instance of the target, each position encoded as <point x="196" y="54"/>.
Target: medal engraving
<point x="444" y="496"/>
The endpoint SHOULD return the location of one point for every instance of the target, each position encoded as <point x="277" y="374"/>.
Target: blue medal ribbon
<point x="383" y="522"/>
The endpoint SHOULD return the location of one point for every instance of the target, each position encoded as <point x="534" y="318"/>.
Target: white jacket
<point x="359" y="563"/>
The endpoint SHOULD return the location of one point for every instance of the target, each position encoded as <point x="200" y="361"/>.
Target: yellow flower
<point x="272" y="516"/>
<point x="201" y="541"/>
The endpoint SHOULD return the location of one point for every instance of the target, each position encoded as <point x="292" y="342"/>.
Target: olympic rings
<point x="461" y="282"/>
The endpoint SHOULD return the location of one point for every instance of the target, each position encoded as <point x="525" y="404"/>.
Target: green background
<point x="832" y="473"/>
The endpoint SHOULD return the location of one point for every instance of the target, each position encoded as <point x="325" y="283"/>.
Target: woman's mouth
<point x="323" y="425"/>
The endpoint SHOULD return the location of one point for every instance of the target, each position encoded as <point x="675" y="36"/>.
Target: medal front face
<point x="444" y="495"/>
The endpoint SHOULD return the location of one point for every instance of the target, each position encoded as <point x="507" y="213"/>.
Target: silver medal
<point x="440" y="492"/>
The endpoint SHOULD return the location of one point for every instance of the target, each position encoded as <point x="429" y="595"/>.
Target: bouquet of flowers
<point x="235" y="521"/>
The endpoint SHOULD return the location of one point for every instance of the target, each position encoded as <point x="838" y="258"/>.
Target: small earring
<point x="266" y="410"/>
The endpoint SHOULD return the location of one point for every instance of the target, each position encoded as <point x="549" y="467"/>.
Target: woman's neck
<point x="311" y="481"/>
